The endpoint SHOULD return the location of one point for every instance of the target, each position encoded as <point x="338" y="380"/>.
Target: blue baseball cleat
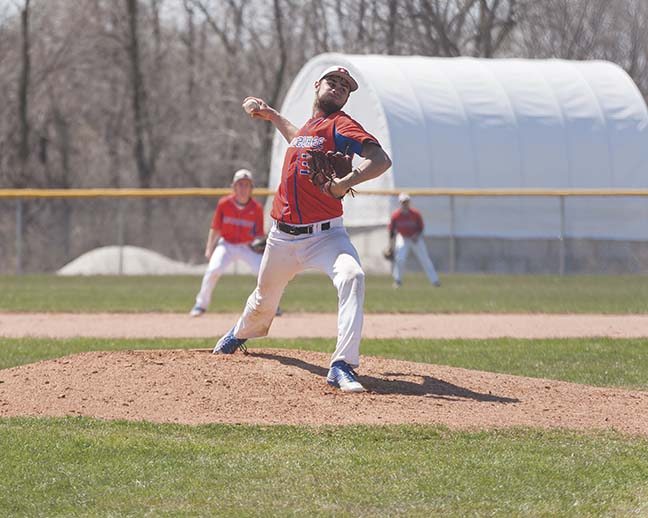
<point x="342" y="376"/>
<point x="229" y="344"/>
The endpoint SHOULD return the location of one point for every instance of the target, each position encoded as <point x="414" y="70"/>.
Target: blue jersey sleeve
<point x="346" y="145"/>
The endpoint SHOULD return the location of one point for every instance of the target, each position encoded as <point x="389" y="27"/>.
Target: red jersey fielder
<point x="405" y="230"/>
<point x="307" y="230"/>
<point x="238" y="219"/>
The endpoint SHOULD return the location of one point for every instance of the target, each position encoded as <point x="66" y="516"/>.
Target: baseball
<point x="251" y="106"/>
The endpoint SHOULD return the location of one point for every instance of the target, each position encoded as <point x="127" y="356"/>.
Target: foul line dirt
<point x="314" y="325"/>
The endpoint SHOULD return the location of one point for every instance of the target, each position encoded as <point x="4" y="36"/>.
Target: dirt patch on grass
<point x="274" y="386"/>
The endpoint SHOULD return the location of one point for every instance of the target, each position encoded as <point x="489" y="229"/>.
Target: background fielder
<point x="405" y="234"/>
<point x="307" y="231"/>
<point x="238" y="219"/>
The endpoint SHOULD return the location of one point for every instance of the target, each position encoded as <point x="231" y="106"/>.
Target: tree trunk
<point x="138" y="97"/>
<point x="140" y="115"/>
<point x="23" y="97"/>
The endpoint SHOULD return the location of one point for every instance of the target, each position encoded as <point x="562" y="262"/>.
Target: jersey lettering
<point x="308" y="141"/>
<point x="238" y="221"/>
<point x="303" y="164"/>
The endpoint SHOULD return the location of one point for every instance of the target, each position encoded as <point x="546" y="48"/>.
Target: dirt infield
<point x="272" y="386"/>
<point x="312" y="325"/>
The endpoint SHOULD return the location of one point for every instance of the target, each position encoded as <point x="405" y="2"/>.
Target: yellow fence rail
<point x="204" y="191"/>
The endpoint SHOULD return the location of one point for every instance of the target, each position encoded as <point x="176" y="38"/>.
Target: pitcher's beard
<point x="328" y="107"/>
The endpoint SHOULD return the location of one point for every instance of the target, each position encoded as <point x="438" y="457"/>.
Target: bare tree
<point x="461" y="27"/>
<point x="495" y="22"/>
<point x="226" y="22"/>
<point x="626" y="43"/>
<point x="569" y="29"/>
<point x="277" y="82"/>
<point x="392" y="23"/>
<point x="141" y="128"/>
<point x="439" y="27"/>
<point x="23" y="94"/>
<point x="188" y="38"/>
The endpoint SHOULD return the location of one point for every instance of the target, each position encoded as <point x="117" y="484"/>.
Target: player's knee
<point x="354" y="275"/>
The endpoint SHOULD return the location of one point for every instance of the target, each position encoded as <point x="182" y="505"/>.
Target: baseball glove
<point x="258" y="245"/>
<point x="388" y="253"/>
<point x="325" y="167"/>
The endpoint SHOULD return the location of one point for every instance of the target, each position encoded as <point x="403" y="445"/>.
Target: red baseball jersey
<point x="407" y="224"/>
<point x="297" y="200"/>
<point x="238" y="224"/>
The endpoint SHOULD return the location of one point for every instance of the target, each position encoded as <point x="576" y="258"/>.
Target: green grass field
<point x="88" y="467"/>
<point x="84" y="467"/>
<point x="313" y="292"/>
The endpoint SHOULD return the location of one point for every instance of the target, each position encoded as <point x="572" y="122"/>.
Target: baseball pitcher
<point x="307" y="230"/>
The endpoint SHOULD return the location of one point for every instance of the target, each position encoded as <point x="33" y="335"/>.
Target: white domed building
<point x="468" y="123"/>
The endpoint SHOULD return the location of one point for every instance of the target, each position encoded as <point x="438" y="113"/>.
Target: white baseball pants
<point x="402" y="247"/>
<point x="225" y="254"/>
<point x="329" y="251"/>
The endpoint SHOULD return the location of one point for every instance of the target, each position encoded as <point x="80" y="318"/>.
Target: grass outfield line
<point x="313" y="292"/>
<point x="87" y="467"/>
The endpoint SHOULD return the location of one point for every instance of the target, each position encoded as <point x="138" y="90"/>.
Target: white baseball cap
<point x="403" y="197"/>
<point x="340" y="72"/>
<point x="242" y="174"/>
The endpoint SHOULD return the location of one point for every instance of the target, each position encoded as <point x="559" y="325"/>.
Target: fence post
<point x="19" y="236"/>
<point x="452" y="235"/>
<point x="561" y="247"/>
<point x="120" y="234"/>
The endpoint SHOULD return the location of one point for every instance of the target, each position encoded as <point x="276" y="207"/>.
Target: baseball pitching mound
<point x="276" y="386"/>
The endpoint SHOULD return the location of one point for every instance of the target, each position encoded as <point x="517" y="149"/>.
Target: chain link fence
<point x="40" y="232"/>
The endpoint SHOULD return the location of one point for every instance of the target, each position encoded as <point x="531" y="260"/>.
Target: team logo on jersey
<point x="308" y="141"/>
<point x="238" y="221"/>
